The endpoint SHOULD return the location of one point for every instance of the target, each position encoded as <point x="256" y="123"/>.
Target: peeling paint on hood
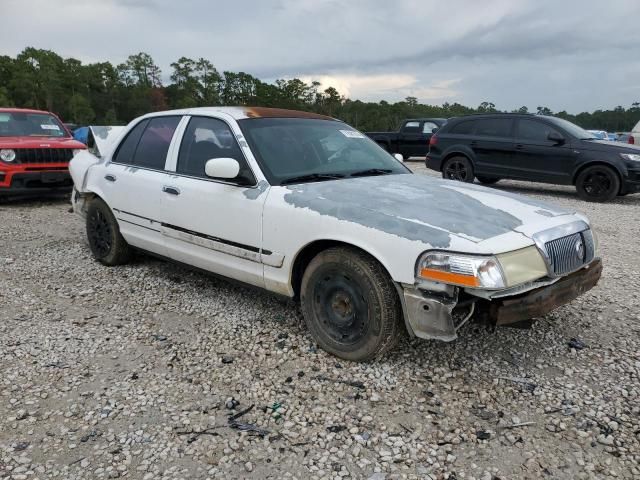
<point x="422" y="208"/>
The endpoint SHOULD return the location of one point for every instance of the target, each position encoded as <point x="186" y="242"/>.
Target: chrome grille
<point x="43" y="155"/>
<point x="567" y="254"/>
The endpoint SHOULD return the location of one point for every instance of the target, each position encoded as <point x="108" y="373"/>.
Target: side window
<point x="154" y="144"/>
<point x="463" y="128"/>
<point x="206" y="138"/>
<point x="127" y="148"/>
<point x="428" y="127"/>
<point x="411" y="127"/>
<point x="494" y="127"/>
<point x="534" y="131"/>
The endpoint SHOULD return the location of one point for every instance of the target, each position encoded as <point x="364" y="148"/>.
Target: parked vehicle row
<point x="35" y="150"/>
<point x="412" y="140"/>
<point x="307" y="207"/>
<point x="535" y="148"/>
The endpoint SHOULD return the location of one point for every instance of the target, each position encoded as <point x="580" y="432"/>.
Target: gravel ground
<point x="135" y="371"/>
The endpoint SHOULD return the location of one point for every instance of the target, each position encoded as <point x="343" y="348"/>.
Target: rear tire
<point x="488" y="180"/>
<point x="103" y="233"/>
<point x="598" y="183"/>
<point x="458" y="168"/>
<point x="350" y="304"/>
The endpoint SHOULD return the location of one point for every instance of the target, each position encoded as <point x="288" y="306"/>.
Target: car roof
<point x="22" y="110"/>
<point x="424" y="119"/>
<point x="240" y="113"/>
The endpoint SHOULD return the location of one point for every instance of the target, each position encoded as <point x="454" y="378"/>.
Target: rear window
<point x="463" y="128"/>
<point x="24" y="124"/>
<point x="494" y="127"/>
<point x="154" y="144"/>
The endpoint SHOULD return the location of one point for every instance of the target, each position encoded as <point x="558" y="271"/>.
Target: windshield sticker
<point x="50" y="127"/>
<point x="352" y="134"/>
<point x="4" y="117"/>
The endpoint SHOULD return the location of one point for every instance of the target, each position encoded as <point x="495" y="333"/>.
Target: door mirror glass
<point x="399" y="157"/>
<point x="555" y="137"/>
<point x="222" y="168"/>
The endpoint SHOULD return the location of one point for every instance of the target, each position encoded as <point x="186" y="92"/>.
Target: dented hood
<point x="427" y="209"/>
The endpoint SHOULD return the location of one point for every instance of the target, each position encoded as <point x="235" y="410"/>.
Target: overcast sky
<point x="565" y="54"/>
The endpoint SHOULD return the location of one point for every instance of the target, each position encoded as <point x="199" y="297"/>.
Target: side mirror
<point x="399" y="157"/>
<point x="222" y="168"/>
<point x="556" y="138"/>
<point x="434" y="129"/>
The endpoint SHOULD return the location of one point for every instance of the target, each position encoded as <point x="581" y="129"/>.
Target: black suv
<point x="536" y="148"/>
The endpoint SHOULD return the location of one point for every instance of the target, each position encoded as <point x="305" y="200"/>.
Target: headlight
<point x="462" y="270"/>
<point x="634" y="157"/>
<point x="7" y="155"/>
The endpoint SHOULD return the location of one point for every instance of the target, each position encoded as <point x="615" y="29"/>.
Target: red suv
<point x="35" y="149"/>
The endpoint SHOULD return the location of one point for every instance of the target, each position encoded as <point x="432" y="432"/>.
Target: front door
<point x="211" y="223"/>
<point x="538" y="158"/>
<point x="412" y="141"/>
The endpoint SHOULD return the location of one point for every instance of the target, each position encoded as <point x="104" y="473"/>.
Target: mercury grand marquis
<point x="306" y="206"/>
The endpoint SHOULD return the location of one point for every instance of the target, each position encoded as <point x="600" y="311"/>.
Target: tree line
<point x="106" y="94"/>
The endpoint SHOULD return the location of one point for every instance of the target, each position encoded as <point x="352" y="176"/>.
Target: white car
<point x="599" y="134"/>
<point x="305" y="206"/>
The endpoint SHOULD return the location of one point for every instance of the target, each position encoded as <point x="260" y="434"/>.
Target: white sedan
<point x="306" y="206"/>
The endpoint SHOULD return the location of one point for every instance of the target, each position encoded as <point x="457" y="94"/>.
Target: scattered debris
<point x="336" y="428"/>
<point x="351" y="383"/>
<point x="483" y="435"/>
<point x="516" y="425"/>
<point x="226" y="359"/>
<point x="231" y="403"/>
<point x="576" y="344"/>
<point x="529" y="386"/>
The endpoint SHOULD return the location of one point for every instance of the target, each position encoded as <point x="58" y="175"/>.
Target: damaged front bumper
<point x="439" y="315"/>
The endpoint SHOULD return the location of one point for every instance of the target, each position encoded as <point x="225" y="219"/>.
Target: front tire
<point x="598" y="183"/>
<point x="105" y="241"/>
<point x="458" y="168"/>
<point x="350" y="304"/>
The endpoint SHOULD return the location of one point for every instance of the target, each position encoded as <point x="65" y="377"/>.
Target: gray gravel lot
<point x="134" y="372"/>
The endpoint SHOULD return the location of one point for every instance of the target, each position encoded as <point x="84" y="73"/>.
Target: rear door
<point x="133" y="181"/>
<point x="538" y="158"/>
<point x="493" y="146"/>
<point x="211" y="223"/>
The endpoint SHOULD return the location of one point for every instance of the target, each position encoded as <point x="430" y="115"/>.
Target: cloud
<point x="575" y="54"/>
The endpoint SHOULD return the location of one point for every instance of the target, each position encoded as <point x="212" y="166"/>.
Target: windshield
<point x="572" y="129"/>
<point x="23" y="124"/>
<point x="315" y="150"/>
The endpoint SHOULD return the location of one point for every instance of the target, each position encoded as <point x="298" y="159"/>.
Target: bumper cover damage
<point x="433" y="316"/>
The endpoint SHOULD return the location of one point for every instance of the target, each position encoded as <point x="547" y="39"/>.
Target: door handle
<point x="473" y="143"/>
<point x="110" y="178"/>
<point x="519" y="146"/>
<point x="171" y="190"/>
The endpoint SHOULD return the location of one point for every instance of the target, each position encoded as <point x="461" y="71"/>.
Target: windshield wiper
<point x="371" y="171"/>
<point x="312" y="177"/>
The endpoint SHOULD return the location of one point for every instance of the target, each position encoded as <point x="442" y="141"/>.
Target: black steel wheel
<point x="598" y="183"/>
<point x="105" y="241"/>
<point x="350" y="304"/>
<point x="458" y="168"/>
